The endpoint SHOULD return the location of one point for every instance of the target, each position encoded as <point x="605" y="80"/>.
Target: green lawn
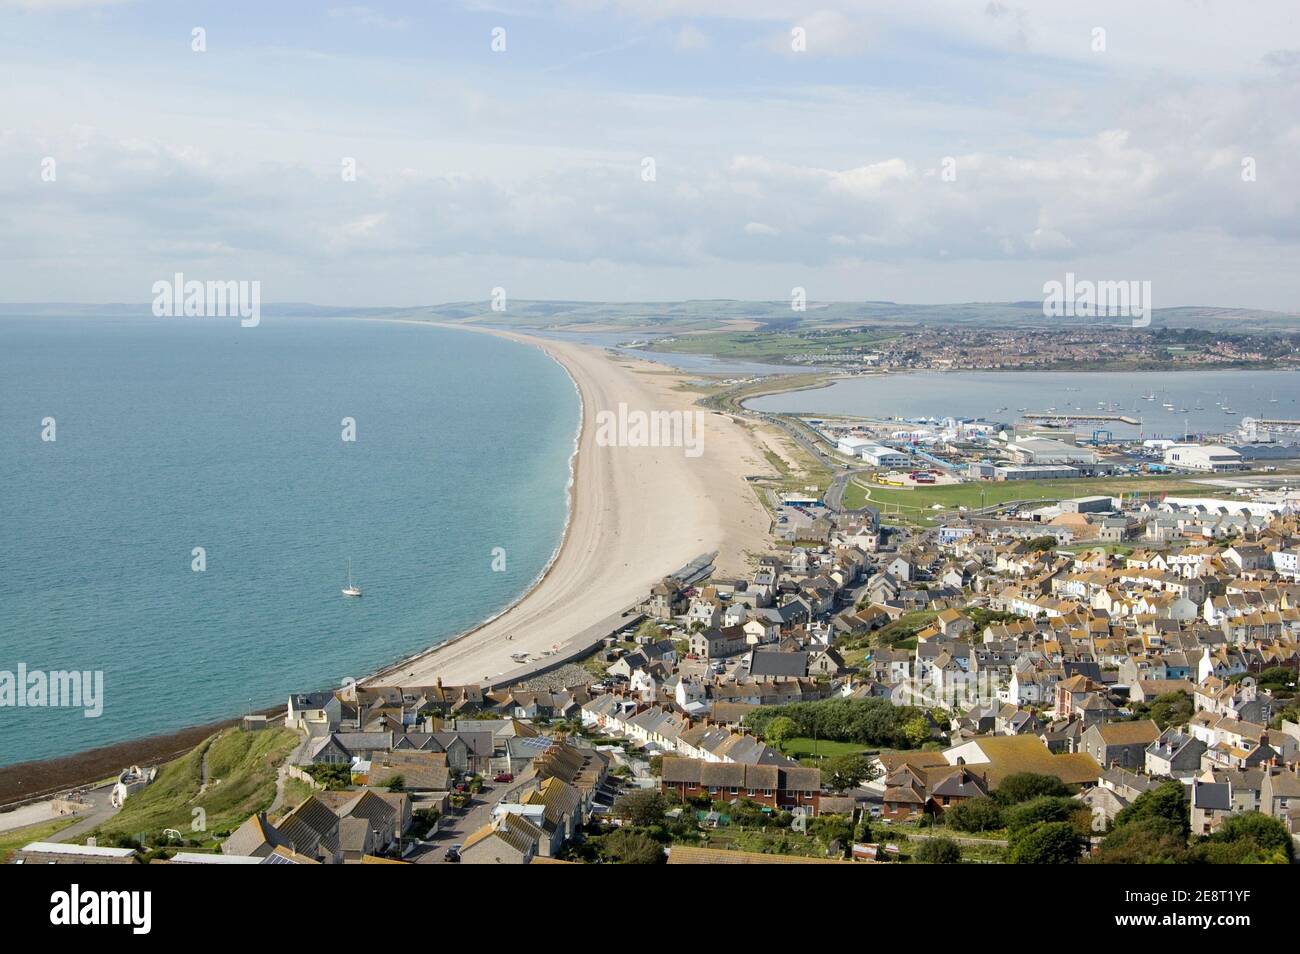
<point x="915" y="504"/>
<point x="802" y="747"/>
<point x="11" y="841"/>
<point x="772" y="345"/>
<point x="241" y="772"/>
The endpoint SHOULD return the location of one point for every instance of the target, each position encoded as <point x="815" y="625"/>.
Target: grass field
<point x="916" y="505"/>
<point x="771" y="345"/>
<point x="241" y="780"/>
<point x="801" y="747"/>
<point x="11" y="841"/>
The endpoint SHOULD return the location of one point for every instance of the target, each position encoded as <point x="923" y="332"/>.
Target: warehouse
<point x="879" y="456"/>
<point x="1042" y="450"/>
<point x="1033" y="472"/>
<point x="1213" y="458"/>
<point x="851" y="446"/>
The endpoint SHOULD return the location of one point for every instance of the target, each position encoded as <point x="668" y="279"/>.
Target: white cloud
<point x="691" y="39"/>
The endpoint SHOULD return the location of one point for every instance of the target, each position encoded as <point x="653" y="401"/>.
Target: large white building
<point x="879" y="456"/>
<point x="1042" y="450"/>
<point x="1207" y="457"/>
<point x="851" y="446"/>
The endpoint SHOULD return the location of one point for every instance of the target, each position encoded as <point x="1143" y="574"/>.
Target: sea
<point x="1202" y="403"/>
<point x="187" y="530"/>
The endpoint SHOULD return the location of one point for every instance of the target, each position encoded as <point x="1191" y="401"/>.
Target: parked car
<point x="452" y="853"/>
<point x="503" y="777"/>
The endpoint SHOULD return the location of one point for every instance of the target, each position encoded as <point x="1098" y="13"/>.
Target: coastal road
<point x="834" y="496"/>
<point x="101" y="810"/>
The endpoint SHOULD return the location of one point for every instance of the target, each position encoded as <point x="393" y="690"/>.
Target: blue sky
<point x="821" y="168"/>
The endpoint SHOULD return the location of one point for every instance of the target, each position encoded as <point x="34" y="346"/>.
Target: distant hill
<point x="722" y="314"/>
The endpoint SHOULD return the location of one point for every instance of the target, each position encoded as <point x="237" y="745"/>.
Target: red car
<point x="503" y="777"/>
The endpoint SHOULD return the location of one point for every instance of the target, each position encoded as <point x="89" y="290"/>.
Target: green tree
<point x="832" y="828"/>
<point x="937" y="851"/>
<point x="780" y="730"/>
<point x="1022" y="786"/>
<point x="1047" y="808"/>
<point x="627" y="847"/>
<point x="1166" y="804"/>
<point x="1153" y="843"/>
<point x="917" y="731"/>
<point x="1248" y="838"/>
<point x="1047" y="843"/>
<point x="847" y="771"/>
<point x="1172" y="708"/>
<point x="643" y="807"/>
<point x="975" y="814"/>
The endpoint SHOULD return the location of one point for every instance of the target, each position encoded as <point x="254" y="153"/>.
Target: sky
<point x="623" y="150"/>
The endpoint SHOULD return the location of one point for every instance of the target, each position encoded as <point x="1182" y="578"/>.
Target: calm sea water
<point x="999" y="396"/>
<point x="176" y="434"/>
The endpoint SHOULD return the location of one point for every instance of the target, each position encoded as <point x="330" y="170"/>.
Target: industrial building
<point x="1212" y="458"/>
<point x="851" y="446"/>
<point x="1097" y="504"/>
<point x="1042" y="450"/>
<point x="1033" y="472"/>
<point x="879" y="456"/>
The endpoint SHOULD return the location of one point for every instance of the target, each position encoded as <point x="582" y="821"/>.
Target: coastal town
<point x="1103" y="678"/>
<point x="952" y="347"/>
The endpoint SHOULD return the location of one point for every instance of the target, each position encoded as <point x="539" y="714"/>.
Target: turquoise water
<point x="181" y="433"/>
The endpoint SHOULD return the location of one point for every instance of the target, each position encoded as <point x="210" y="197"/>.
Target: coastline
<point x="635" y="514"/>
<point x="571" y="492"/>
<point x="715" y="510"/>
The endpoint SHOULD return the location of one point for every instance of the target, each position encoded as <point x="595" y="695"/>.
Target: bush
<point x="1022" y="786"/>
<point x="1164" y="804"/>
<point x="841" y="772"/>
<point x="624" y="847"/>
<point x="1047" y="843"/>
<point x="335" y="778"/>
<point x="1248" y="838"/>
<point x="642" y="808"/>
<point x="872" y="721"/>
<point x="975" y="814"/>
<point x="937" y="851"/>
<point x="1045" y="808"/>
<point x="1153" y="843"/>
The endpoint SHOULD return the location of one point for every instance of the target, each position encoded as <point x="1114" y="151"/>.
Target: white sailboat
<point x="351" y="589"/>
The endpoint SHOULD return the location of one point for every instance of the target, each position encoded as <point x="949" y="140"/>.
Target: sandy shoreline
<point x="635" y="514"/>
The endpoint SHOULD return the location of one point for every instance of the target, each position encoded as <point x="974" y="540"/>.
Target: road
<point x="834" y="496"/>
<point x="100" y="800"/>
<point x="456" y="827"/>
